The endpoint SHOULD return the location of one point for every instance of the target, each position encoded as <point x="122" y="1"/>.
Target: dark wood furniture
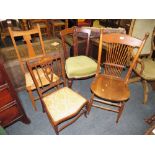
<point x="110" y="87"/>
<point x="151" y="130"/>
<point x="11" y="109"/>
<point x="78" y="64"/>
<point x="60" y="103"/>
<point x="57" y="25"/>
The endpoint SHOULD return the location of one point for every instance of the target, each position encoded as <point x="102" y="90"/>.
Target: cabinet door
<point x="5" y="97"/>
<point x="10" y="115"/>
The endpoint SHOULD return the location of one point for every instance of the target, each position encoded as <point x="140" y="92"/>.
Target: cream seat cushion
<point x="63" y="103"/>
<point x="29" y="82"/>
<point x="80" y="66"/>
<point x="149" y="69"/>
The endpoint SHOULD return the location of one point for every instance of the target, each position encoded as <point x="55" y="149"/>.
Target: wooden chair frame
<point x="138" y="76"/>
<point x="113" y="67"/>
<point x="48" y="63"/>
<point x="31" y="53"/>
<point x="76" y="33"/>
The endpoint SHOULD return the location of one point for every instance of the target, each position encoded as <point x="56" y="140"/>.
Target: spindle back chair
<point x="111" y="86"/>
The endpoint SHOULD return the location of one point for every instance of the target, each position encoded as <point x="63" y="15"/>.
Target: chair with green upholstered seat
<point x="145" y="68"/>
<point x="79" y="65"/>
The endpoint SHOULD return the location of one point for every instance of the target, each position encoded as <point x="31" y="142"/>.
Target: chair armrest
<point x="140" y="62"/>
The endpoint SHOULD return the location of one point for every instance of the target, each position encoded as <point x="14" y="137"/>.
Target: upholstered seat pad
<point x="149" y="69"/>
<point x="63" y="103"/>
<point x="110" y="88"/>
<point x="29" y="82"/>
<point x="80" y="66"/>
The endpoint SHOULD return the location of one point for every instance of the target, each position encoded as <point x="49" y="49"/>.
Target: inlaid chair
<point x="78" y="64"/>
<point x="111" y="86"/>
<point x="60" y="103"/>
<point x="145" y="68"/>
<point x="31" y="54"/>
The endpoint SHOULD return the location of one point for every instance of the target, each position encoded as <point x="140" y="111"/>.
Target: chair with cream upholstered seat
<point x="145" y="68"/>
<point x="59" y="102"/>
<point x="31" y="54"/>
<point x="110" y="88"/>
<point x="78" y="65"/>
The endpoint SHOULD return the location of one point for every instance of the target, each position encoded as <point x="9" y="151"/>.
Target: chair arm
<point x="141" y="63"/>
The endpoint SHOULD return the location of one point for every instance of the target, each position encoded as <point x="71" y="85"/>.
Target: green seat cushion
<point x="80" y="66"/>
<point x="149" y="69"/>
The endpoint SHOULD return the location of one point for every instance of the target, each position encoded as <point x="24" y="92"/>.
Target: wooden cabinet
<point x="11" y="109"/>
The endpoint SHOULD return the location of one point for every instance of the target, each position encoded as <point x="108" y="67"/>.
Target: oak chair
<point x="58" y="24"/>
<point x="31" y="54"/>
<point x="111" y="86"/>
<point x="60" y="103"/>
<point x="144" y="69"/>
<point x="79" y="65"/>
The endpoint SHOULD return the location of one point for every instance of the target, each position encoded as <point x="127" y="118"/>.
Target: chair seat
<point x="110" y="88"/>
<point x="30" y="84"/>
<point x="149" y="69"/>
<point x="63" y="103"/>
<point x="80" y="66"/>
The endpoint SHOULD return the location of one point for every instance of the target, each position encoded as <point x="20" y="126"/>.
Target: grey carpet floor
<point x="98" y="122"/>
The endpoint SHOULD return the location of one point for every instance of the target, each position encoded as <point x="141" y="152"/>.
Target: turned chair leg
<point x="70" y="82"/>
<point x="146" y="90"/>
<point x="120" y="110"/>
<point x="32" y="99"/>
<point x="56" y="130"/>
<point x="87" y="106"/>
<point x="90" y="103"/>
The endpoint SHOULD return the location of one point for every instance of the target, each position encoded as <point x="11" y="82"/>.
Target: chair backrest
<point x="78" y="36"/>
<point x="119" y="48"/>
<point x="139" y="28"/>
<point x="27" y="37"/>
<point x="53" y="70"/>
